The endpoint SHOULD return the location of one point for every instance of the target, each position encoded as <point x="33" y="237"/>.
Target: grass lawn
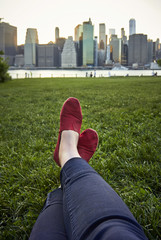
<point x="126" y="113"/>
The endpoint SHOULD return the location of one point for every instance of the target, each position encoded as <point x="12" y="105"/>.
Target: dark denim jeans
<point x="85" y="208"/>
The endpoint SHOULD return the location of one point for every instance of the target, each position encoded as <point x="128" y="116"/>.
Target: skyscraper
<point x="124" y="58"/>
<point x="132" y="26"/>
<point x="78" y="32"/>
<point x="111" y="34"/>
<point x="138" y="49"/>
<point x="116" y="45"/>
<point x="60" y="43"/>
<point x="8" y="41"/>
<point x="78" y="36"/>
<point x="68" y="56"/>
<point x="88" y="43"/>
<point x="47" y="55"/>
<point x="150" y="50"/>
<point x="95" y="52"/>
<point x="123" y="36"/>
<point x="31" y="36"/>
<point x="56" y="34"/>
<point x="111" y="31"/>
<point x="30" y="47"/>
<point x="102" y="36"/>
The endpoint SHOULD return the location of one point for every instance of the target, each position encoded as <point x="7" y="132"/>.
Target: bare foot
<point x="68" y="146"/>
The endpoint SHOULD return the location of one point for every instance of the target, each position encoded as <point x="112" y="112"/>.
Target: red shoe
<point x="87" y="143"/>
<point x="70" y="119"/>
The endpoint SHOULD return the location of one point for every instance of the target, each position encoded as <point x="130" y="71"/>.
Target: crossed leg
<point x="88" y="208"/>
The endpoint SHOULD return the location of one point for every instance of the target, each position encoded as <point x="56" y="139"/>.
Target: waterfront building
<point x="60" y="43"/>
<point x="20" y="49"/>
<point x="88" y="43"/>
<point x="101" y="57"/>
<point x="122" y="32"/>
<point x="19" y="60"/>
<point x="68" y="56"/>
<point x="8" y="41"/>
<point x="108" y="55"/>
<point x="112" y="36"/>
<point x="78" y="31"/>
<point x="95" y="52"/>
<point x="157" y="49"/>
<point x="132" y="26"/>
<point x="102" y="36"/>
<point x="111" y="31"/>
<point x="157" y="45"/>
<point x="56" y="34"/>
<point x="150" y="51"/>
<point x="78" y="36"/>
<point x="116" y="45"/>
<point x="138" y="49"/>
<point x="124" y="58"/>
<point x="123" y="36"/>
<point x="31" y="42"/>
<point x="79" y="51"/>
<point x="48" y="55"/>
<point x="154" y="51"/>
<point x="158" y="55"/>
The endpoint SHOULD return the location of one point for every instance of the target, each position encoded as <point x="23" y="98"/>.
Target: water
<point x="79" y="73"/>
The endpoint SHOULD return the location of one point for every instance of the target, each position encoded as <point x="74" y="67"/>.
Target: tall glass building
<point x="102" y="36"/>
<point x="78" y="41"/>
<point x="78" y="32"/>
<point x="138" y="50"/>
<point x="56" y="34"/>
<point x="68" y="56"/>
<point x="88" y="43"/>
<point x="8" y="41"/>
<point x="31" y="42"/>
<point x="132" y="26"/>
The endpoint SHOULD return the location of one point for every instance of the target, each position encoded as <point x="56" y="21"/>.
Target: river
<point x="22" y="73"/>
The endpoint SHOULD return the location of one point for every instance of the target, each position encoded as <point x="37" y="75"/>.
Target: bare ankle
<point x="68" y="146"/>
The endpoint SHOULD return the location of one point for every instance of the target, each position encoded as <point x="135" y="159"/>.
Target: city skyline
<point x="46" y="16"/>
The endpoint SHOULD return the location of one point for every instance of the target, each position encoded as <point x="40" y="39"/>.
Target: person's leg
<point x="50" y="223"/>
<point x="92" y="209"/>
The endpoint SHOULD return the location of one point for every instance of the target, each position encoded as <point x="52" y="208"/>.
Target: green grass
<point x="126" y="113"/>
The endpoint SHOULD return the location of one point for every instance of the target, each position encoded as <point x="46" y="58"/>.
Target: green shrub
<point x="4" y="76"/>
<point x="159" y="62"/>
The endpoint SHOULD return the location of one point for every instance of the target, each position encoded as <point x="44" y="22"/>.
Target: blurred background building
<point x="132" y="26"/>
<point x="86" y="50"/>
<point x="88" y="43"/>
<point x="68" y="56"/>
<point x="8" y="41"/>
<point x="31" y="42"/>
<point x="138" y="49"/>
<point x="48" y="55"/>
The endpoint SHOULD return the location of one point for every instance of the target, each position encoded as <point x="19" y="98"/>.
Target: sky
<point x="45" y="15"/>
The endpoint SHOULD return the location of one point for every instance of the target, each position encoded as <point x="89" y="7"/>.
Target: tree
<point x="159" y="62"/>
<point x="4" y="76"/>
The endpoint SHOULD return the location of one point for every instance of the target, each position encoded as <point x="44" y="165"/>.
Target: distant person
<point x="91" y="74"/>
<point x="85" y="207"/>
<point x="154" y="74"/>
<point x="86" y="74"/>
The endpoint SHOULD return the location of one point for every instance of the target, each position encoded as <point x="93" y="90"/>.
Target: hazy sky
<point x="45" y="15"/>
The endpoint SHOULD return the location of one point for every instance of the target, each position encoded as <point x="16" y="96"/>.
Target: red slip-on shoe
<point x="70" y="119"/>
<point x="87" y="143"/>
